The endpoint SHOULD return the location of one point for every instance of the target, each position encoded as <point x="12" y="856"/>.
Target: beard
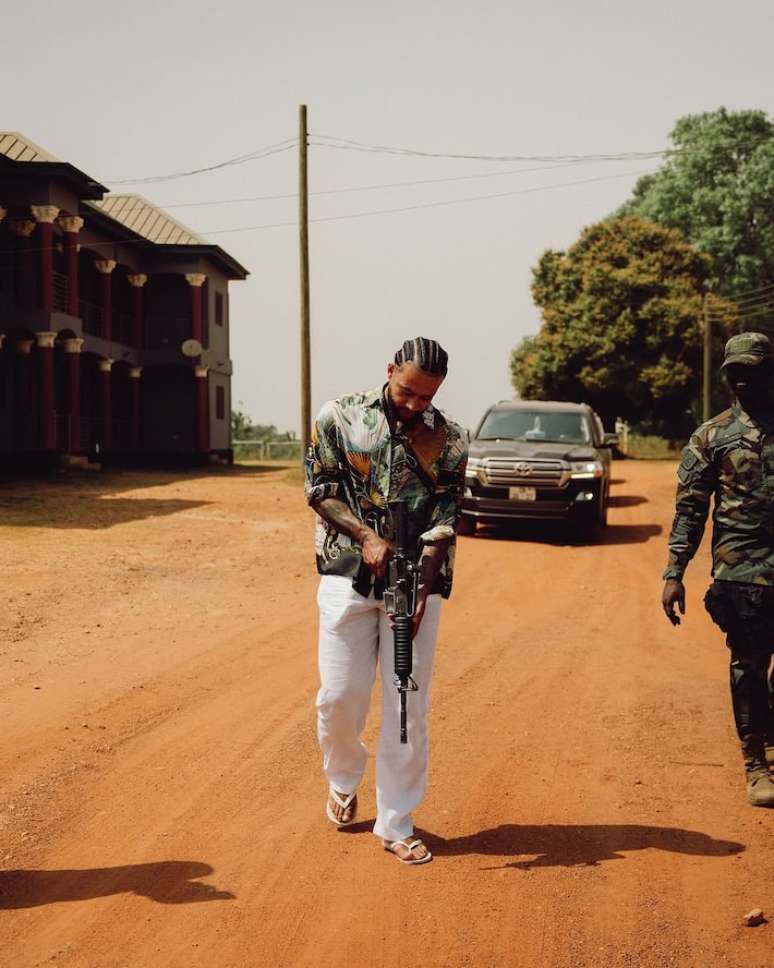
<point x="407" y="418"/>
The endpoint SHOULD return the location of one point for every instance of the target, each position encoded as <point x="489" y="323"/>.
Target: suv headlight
<point x="586" y="469"/>
<point x="474" y="466"/>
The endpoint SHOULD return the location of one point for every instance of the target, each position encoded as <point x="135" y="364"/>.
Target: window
<point x="218" y="308"/>
<point x="570" y="427"/>
<point x="220" y="403"/>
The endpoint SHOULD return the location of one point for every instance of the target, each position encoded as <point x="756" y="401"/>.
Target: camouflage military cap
<point x="749" y="349"/>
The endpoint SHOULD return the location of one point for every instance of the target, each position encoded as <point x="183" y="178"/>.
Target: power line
<point x="331" y="141"/>
<point x="375" y="212"/>
<point x="751" y="304"/>
<point x="140" y="204"/>
<point x="425" y="205"/>
<point x="751" y="294"/>
<point x="349" y="144"/>
<point x="278" y="148"/>
<point x="759" y="311"/>
<point x="345" y="144"/>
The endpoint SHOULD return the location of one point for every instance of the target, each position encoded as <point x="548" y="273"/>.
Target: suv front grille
<point x="509" y="471"/>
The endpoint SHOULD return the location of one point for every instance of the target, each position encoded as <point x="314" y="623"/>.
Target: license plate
<point x="522" y="493"/>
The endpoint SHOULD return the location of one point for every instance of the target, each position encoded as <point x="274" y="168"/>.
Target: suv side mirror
<point x="610" y="440"/>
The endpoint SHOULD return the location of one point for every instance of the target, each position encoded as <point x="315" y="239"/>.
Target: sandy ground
<point x="161" y="801"/>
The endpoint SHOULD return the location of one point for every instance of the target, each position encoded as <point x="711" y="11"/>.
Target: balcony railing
<point x="122" y="328"/>
<point x="91" y="314"/>
<point x="166" y="330"/>
<point x="61" y="290"/>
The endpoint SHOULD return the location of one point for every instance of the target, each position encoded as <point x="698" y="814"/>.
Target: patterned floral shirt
<point x="361" y="454"/>
<point x="731" y="457"/>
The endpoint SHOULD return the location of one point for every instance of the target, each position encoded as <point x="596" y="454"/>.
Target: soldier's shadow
<point x="165" y="882"/>
<point x="576" y="845"/>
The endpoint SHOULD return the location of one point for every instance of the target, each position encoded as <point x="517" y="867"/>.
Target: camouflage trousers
<point x="745" y="612"/>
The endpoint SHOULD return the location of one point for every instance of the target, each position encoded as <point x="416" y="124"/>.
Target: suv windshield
<point x="571" y="428"/>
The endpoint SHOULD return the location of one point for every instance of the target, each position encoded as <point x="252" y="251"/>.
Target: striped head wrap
<point x="425" y="354"/>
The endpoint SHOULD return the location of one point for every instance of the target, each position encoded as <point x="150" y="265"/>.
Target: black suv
<point x="541" y="460"/>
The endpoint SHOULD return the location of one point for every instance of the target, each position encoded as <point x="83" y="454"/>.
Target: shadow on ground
<point x="110" y="480"/>
<point x="626" y="500"/>
<point x="558" y="533"/>
<point x="84" y="512"/>
<point x="88" y="501"/>
<point x="166" y="882"/>
<point x="582" y="845"/>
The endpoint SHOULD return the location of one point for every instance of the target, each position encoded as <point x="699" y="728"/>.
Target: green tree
<point x="717" y="188"/>
<point x="243" y="428"/>
<point x="241" y="425"/>
<point x="621" y="329"/>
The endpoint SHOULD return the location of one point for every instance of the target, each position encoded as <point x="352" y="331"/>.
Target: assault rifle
<point x="400" y="600"/>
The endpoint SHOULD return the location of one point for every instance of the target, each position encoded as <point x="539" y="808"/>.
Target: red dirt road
<point x="161" y="800"/>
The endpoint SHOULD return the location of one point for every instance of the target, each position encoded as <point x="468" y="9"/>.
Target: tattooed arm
<point x="376" y="551"/>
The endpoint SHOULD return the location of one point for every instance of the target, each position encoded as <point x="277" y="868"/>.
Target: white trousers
<point x="354" y="633"/>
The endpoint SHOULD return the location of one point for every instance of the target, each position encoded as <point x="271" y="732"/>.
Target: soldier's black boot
<point x="750" y="700"/>
<point x="760" y="785"/>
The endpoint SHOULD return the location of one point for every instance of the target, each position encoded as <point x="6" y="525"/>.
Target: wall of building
<point x="220" y="426"/>
<point x="152" y="369"/>
<point x="168" y="410"/>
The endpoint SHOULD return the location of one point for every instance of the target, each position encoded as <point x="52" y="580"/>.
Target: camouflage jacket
<point x="731" y="457"/>
<point x="360" y="456"/>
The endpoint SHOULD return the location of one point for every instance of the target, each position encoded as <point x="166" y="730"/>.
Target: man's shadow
<point x="581" y="845"/>
<point x="166" y="882"/>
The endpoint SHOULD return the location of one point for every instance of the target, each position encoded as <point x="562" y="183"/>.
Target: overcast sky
<point x="147" y="89"/>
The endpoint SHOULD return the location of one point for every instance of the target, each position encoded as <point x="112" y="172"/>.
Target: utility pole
<point x="707" y="370"/>
<point x="303" y="241"/>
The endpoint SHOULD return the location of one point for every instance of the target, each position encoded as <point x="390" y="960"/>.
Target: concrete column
<point x="4" y="365"/>
<point x="196" y="280"/>
<point x="45" y="343"/>
<point x="45" y="215"/>
<point x="135" y="372"/>
<point x="202" y="408"/>
<point x="72" y="348"/>
<point x="137" y="280"/>
<point x="23" y="228"/>
<point x="24" y="395"/>
<point x="106" y="440"/>
<point x="106" y="267"/>
<point x="71" y="226"/>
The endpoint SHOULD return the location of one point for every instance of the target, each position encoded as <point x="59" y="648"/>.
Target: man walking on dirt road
<point x="369" y="449"/>
<point x="731" y="457"/>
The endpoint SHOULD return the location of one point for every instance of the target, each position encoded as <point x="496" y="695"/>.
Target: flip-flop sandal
<point x="390" y="846"/>
<point x="346" y="802"/>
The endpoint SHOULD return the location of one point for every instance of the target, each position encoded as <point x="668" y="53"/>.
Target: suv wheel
<point x="592" y="524"/>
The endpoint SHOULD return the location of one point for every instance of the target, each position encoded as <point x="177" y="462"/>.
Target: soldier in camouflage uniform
<point x="731" y="457"/>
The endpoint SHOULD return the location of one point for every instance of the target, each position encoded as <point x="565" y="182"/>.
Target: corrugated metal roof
<point x="132" y="211"/>
<point x="18" y="147"/>
<point x="144" y="218"/>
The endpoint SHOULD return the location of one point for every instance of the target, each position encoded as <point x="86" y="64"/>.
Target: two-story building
<point x="114" y="323"/>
